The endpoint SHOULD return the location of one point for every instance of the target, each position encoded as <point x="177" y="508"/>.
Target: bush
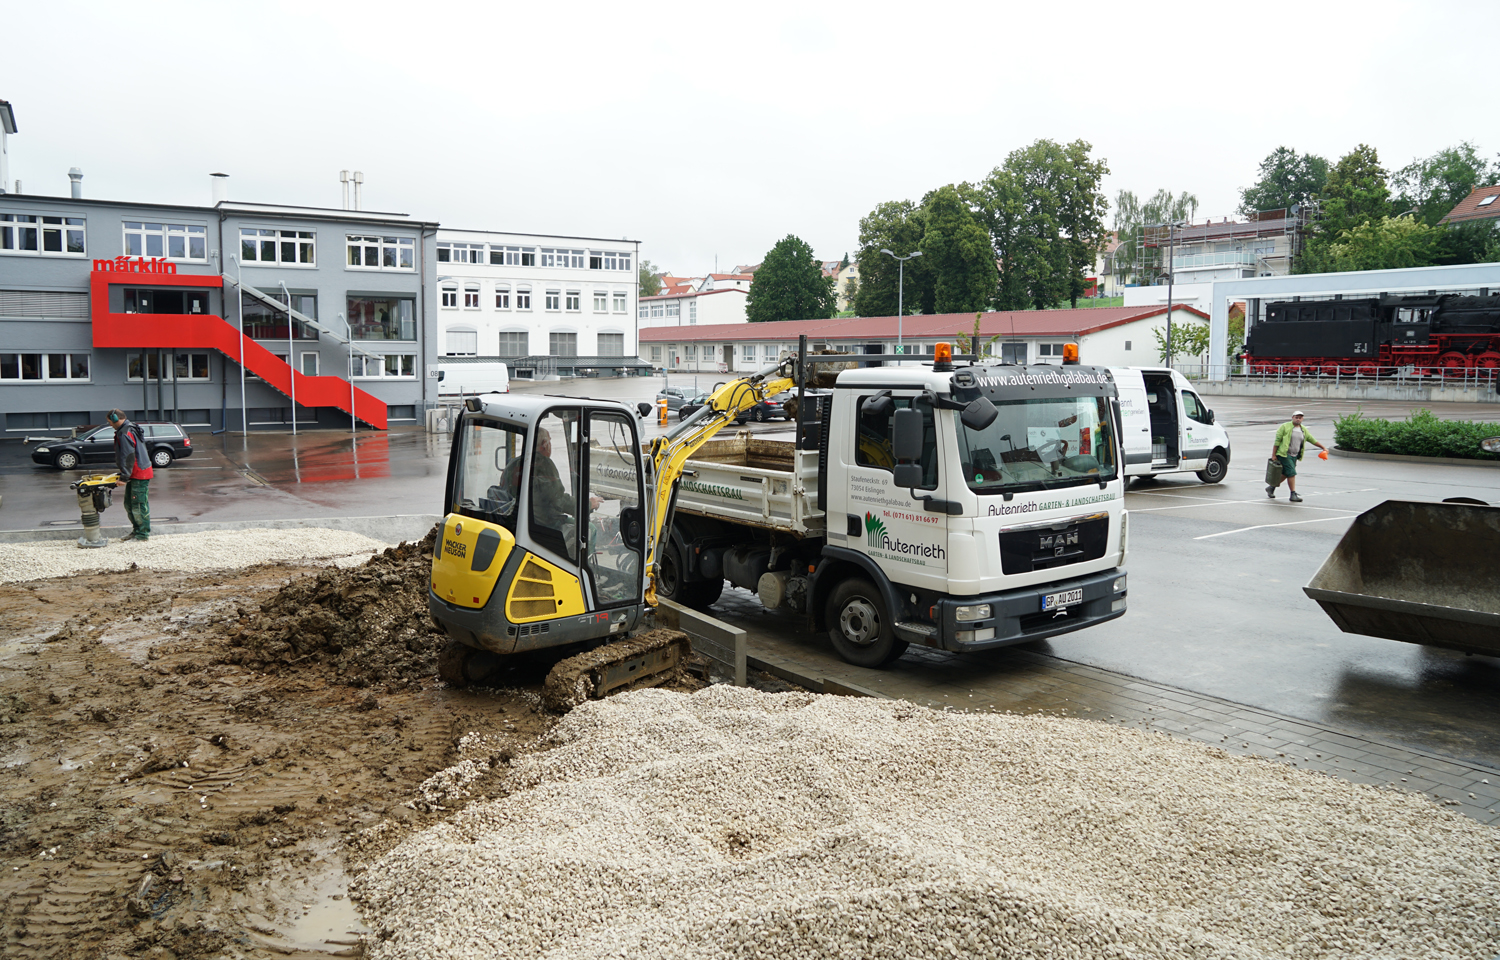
<point x="1419" y="435"/>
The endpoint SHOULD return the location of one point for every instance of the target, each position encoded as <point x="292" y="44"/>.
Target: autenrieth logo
<point x="874" y="531"/>
<point x="877" y="539"/>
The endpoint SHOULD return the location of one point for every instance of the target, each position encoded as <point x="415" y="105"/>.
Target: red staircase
<point x="177" y="332"/>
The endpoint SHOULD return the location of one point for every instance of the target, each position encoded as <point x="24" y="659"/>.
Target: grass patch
<point x="1420" y="435"/>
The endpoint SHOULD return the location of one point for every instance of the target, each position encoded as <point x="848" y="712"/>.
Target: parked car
<point x="96" y="444"/>
<point x="676" y="396"/>
<point x="760" y="413"/>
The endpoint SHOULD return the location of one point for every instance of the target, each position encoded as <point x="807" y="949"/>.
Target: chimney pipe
<point x="344" y="182"/>
<point x="359" y="179"/>
<point x="220" y="183"/>
<point x="76" y="175"/>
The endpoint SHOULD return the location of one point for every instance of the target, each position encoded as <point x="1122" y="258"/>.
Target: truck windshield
<point x="1039" y="444"/>
<point x="489" y="471"/>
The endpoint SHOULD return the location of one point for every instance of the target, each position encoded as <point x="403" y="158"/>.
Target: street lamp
<point x="1171" y="270"/>
<point x="291" y="352"/>
<point x="900" y="293"/>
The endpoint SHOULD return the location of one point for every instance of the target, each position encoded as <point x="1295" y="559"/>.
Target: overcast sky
<point x="708" y="133"/>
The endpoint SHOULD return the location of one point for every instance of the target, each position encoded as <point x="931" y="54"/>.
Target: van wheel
<point x="860" y="627"/>
<point x="65" y="461"/>
<point x="161" y="457"/>
<point x="1215" y="469"/>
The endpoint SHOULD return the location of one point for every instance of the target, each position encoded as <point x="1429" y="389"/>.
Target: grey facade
<point x="52" y="376"/>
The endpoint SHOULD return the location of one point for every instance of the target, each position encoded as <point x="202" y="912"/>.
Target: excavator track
<point x="644" y="660"/>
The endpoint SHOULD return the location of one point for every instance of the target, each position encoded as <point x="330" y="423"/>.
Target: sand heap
<point x="732" y="823"/>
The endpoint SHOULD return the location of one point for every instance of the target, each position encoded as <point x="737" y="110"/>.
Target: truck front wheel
<point x="860" y="627"/>
<point x="1214" y="470"/>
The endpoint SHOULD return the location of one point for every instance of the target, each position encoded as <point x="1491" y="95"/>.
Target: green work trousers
<point x="138" y="508"/>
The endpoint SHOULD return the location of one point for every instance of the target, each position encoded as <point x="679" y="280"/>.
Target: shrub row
<point x="1420" y="435"/>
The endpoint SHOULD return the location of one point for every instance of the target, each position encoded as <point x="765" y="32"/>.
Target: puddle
<point x="328" y="922"/>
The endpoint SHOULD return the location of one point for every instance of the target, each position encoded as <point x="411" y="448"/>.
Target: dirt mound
<point x="365" y="625"/>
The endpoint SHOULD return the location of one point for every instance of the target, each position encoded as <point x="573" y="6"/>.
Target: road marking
<point x="1206" y="501"/>
<point x="1293" y="523"/>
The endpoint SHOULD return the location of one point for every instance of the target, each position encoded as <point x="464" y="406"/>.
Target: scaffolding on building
<point x="1288" y="223"/>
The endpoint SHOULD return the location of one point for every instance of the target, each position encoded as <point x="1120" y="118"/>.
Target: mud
<point x="194" y="765"/>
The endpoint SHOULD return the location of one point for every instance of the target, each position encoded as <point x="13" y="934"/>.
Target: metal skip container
<point x="1417" y="572"/>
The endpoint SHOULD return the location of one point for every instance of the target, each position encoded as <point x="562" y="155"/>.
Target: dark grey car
<point x="96" y="444"/>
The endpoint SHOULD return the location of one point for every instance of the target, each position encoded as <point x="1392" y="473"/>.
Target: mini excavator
<point x="556" y="517"/>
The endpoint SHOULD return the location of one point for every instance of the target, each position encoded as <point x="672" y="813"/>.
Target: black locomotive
<point x="1445" y="335"/>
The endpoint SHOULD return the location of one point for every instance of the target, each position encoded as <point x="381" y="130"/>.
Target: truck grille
<point x="1041" y="548"/>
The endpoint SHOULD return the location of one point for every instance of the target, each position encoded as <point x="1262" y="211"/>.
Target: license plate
<point x="1056" y="601"/>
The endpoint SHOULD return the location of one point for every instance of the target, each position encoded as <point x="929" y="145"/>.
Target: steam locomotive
<point x="1445" y="335"/>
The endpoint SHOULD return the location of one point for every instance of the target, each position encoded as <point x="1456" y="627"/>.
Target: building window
<point x="502" y="298"/>
<point x="389" y="366"/>
<point x="1127" y="344"/>
<point x="265" y="322"/>
<point x="309" y="363"/>
<point x="450" y="296"/>
<point x="656" y="354"/>
<point x="608" y="260"/>
<point x="749" y="351"/>
<point x="30" y="234"/>
<point x="471" y="296"/>
<point x="620" y="302"/>
<point x="657" y="309"/>
<point x="563" y="344"/>
<point x="174" y="300"/>
<point x="174" y="241"/>
<point x="1050" y="350"/>
<point x="182" y="367"/>
<point x="554" y="300"/>
<point x="260" y="245"/>
<point x="643" y="311"/>
<point x="690" y="351"/>
<point x="463" y="343"/>
<point x="460" y="252"/>
<point x="612" y="345"/>
<point x="601" y="301"/>
<point x="513" y="256"/>
<point x="574" y="302"/>
<point x="382" y="253"/>
<point x="558" y="257"/>
<point x="693" y="311"/>
<point x="674" y="308"/>
<point x="523" y="298"/>
<point x="1010" y="352"/>
<point x="513" y="343"/>
<point x="382" y="318"/>
<point x="44" y="366"/>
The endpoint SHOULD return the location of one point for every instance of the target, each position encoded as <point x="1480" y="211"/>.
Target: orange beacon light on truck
<point x="1070" y="353"/>
<point x="942" y="356"/>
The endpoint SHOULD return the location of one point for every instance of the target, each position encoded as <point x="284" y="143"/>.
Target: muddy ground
<point x="194" y="765"/>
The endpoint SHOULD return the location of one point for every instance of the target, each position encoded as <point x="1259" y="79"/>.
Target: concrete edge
<point x="1410" y="458"/>
<point x="777" y="667"/>
<point x="700" y="626"/>
<point x="385" y="529"/>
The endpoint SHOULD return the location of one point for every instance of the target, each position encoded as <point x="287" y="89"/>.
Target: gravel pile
<point x="733" y="823"/>
<point x="210" y="550"/>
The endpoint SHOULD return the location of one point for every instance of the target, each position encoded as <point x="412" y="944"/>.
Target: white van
<point x="1167" y="427"/>
<point x="470" y="379"/>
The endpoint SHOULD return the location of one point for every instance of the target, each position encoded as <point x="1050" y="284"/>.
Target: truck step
<point x="912" y="626"/>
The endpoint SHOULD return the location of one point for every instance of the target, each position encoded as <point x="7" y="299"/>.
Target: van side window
<point x="1194" y="407"/>
<point x="872" y="442"/>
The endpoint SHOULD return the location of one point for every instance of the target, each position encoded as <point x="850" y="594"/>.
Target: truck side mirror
<point x="978" y="414"/>
<point x="643" y="408"/>
<point x="907" y="475"/>
<point x="906" y="434"/>
<point x="1210" y="416"/>
<point x="878" y="407"/>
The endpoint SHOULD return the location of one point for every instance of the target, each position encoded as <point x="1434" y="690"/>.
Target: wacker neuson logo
<point x="876" y="538"/>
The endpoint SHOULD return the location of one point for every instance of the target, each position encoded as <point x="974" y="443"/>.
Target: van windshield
<point x="1038" y="445"/>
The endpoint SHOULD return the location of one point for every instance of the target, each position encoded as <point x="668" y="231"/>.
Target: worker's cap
<point x="1298" y="413"/>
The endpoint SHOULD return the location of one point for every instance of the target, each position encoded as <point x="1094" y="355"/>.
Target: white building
<point x="691" y="308"/>
<point x="547" y="304"/>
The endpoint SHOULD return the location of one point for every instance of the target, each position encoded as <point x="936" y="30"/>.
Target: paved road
<point x="1216" y="606"/>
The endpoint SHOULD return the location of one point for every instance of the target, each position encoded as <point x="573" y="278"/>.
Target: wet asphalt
<point x="1216" y="572"/>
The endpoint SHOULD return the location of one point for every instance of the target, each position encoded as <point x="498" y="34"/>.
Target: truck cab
<point x="994" y="535"/>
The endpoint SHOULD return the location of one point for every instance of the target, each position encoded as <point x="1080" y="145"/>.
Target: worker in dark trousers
<point x="134" y="461"/>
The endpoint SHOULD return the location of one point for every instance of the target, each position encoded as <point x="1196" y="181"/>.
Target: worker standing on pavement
<point x="134" y="461"/>
<point x="1292" y="441"/>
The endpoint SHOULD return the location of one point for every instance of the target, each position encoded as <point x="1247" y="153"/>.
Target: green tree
<point x="1384" y="244"/>
<point x="1357" y="192"/>
<point x="1189" y="340"/>
<point x="1286" y="178"/>
<point x="790" y="286"/>
<point x="956" y="249"/>
<point x="1038" y="173"/>
<point x="1434" y="185"/>
<point x="1000" y="205"/>
<point x="1081" y="211"/>
<point x="650" y="279"/>
<point x="973" y="344"/>
<point x="898" y="226"/>
<point x="1131" y="218"/>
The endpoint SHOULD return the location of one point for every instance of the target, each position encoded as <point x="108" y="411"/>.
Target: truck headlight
<point x="977" y="612"/>
<point x="1119" y="585"/>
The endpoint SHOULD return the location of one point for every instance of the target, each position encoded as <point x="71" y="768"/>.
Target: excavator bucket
<point x="1417" y="572"/>
<point x="644" y="660"/>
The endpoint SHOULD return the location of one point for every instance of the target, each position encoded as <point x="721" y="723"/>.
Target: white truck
<point x="898" y="518"/>
<point x="1167" y="428"/>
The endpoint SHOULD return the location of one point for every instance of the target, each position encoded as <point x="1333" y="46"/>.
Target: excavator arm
<point x="671" y="452"/>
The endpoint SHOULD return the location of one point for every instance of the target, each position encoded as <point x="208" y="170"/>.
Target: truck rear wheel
<point x="690" y="593"/>
<point x="860" y="627"/>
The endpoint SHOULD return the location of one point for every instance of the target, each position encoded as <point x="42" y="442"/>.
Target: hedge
<point x="1420" y="435"/>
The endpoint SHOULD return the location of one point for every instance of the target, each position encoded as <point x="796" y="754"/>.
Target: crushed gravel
<point x="733" y="823"/>
<point x="209" y="550"/>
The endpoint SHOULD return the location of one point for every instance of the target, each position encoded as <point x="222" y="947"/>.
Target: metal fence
<point x="1348" y="373"/>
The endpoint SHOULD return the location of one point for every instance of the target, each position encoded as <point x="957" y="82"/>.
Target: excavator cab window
<point x="553" y="490"/>
<point x="489" y="472"/>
